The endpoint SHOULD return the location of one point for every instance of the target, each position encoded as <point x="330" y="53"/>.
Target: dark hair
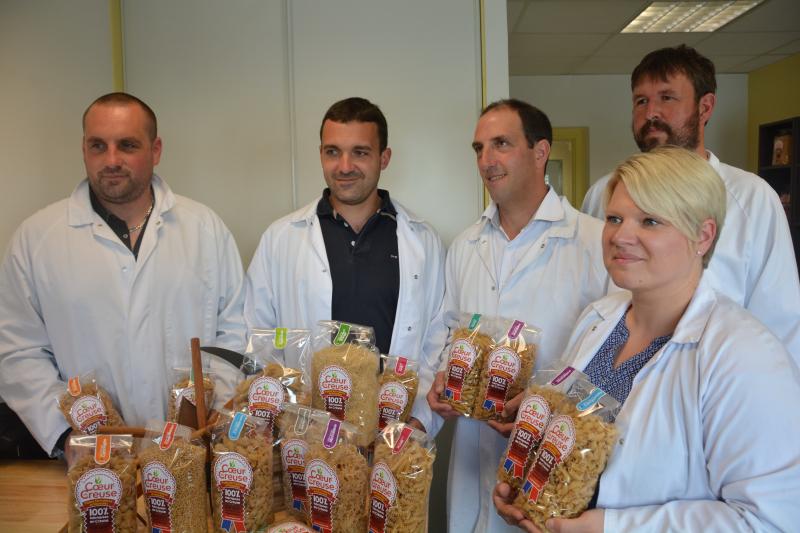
<point x="127" y="99"/>
<point x="357" y="109"/>
<point x="535" y="123"/>
<point x="660" y="64"/>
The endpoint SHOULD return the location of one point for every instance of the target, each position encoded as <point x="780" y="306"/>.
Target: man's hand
<point x="443" y="409"/>
<point x="589" y="522"/>
<point x="513" y="515"/>
<point x="509" y="413"/>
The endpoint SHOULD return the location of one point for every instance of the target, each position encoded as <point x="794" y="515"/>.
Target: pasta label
<point x="265" y="398"/>
<point x="392" y="400"/>
<point x="159" y="493"/>
<point x="323" y="488"/>
<point x="279" y="341"/>
<point x="335" y="387"/>
<point x="503" y="367"/>
<point x="461" y="359"/>
<point x="383" y="487"/>
<point x="293" y="456"/>
<point x="532" y="418"/>
<point x="405" y="434"/>
<point x="234" y="477"/>
<point x="559" y="379"/>
<point x="74" y="386"/>
<point x="88" y="413"/>
<point x="167" y="436"/>
<point x="557" y="445"/>
<point x="98" y="493"/>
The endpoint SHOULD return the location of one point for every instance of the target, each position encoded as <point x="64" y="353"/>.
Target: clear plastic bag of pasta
<point x="337" y="475"/>
<point x="270" y="383"/>
<point x="469" y="344"/>
<point x="101" y="477"/>
<point x="87" y="406"/>
<point x="533" y="415"/>
<point x="241" y="473"/>
<point x="344" y="373"/>
<point x="507" y="367"/>
<point x="173" y="474"/>
<point x="577" y="443"/>
<point x="295" y="431"/>
<point x="401" y="480"/>
<point x="397" y="388"/>
<point x="182" y="393"/>
<point x="289" y="526"/>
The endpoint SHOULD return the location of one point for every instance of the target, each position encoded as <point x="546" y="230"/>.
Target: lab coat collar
<point x="308" y="214"/>
<point x="553" y="209"/>
<point x="80" y="210"/>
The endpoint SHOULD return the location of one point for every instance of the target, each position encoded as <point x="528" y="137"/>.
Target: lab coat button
<point x="416" y="276"/>
<point x="409" y="328"/>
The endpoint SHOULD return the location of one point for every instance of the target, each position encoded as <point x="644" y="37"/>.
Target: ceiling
<point x="582" y="37"/>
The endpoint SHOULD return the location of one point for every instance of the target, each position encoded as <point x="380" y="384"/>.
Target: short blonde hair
<point x="676" y="185"/>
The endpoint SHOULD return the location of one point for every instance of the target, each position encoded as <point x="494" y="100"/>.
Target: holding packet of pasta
<point x="507" y="367"/>
<point x="579" y="437"/>
<point x="469" y="344"/>
<point x="398" y="388"/>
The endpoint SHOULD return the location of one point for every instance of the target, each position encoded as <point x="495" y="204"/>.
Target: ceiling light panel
<point x="677" y="17"/>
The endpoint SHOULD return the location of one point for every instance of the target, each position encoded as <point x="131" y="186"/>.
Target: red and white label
<point x="159" y="488"/>
<point x="323" y="488"/>
<point x="383" y="493"/>
<point x="265" y="399"/>
<point x="392" y="400"/>
<point x="529" y="428"/>
<point x="167" y="436"/>
<point x="88" y="413"/>
<point x="460" y="362"/>
<point x="74" y="386"/>
<point x="97" y="494"/>
<point x="503" y="365"/>
<point x="233" y="476"/>
<point x="335" y="387"/>
<point x="400" y="366"/>
<point x="293" y="457"/>
<point x="556" y="446"/>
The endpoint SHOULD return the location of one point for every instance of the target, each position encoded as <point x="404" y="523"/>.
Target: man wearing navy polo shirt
<point x="354" y="254"/>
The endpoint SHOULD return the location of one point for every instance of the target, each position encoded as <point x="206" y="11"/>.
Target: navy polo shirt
<point x="364" y="266"/>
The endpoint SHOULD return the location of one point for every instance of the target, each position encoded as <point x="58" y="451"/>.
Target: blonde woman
<point x="710" y="423"/>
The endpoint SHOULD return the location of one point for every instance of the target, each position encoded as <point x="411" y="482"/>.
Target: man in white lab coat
<point x="116" y="279"/>
<point x="354" y="254"/>
<point x="531" y="257"/>
<point x="674" y="93"/>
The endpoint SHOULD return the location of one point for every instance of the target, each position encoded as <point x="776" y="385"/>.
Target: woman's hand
<point x="589" y="522"/>
<point x="511" y="514"/>
<point x="443" y="409"/>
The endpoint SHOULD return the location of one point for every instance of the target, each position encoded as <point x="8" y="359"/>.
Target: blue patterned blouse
<point x="618" y="381"/>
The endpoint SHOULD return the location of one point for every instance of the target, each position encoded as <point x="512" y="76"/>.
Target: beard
<point x="126" y="189"/>
<point x="687" y="136"/>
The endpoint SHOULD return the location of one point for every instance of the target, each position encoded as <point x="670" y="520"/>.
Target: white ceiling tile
<point x="790" y="48"/>
<point x="745" y="43"/>
<point x="772" y="15"/>
<point x="554" y="45"/>
<point x="540" y="66"/>
<point x="513" y="11"/>
<point x="607" y="65"/>
<point x="758" y="62"/>
<point x="727" y="63"/>
<point x="577" y="16"/>
<point x="644" y="43"/>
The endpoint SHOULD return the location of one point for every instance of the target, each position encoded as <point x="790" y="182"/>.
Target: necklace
<point x="140" y="226"/>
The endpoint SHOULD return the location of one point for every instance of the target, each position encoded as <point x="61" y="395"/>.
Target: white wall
<point x="603" y="103"/>
<point x="44" y="87"/>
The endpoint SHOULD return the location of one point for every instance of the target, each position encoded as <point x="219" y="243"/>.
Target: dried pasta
<point x="101" y="496"/>
<point x="184" y="388"/>
<point x="241" y="484"/>
<point x="264" y="394"/>
<point x="401" y="480"/>
<point x="174" y="485"/>
<point x="397" y="389"/>
<point x="87" y="406"/>
<point x="468" y="348"/>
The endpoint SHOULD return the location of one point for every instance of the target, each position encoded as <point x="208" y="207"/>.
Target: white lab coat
<point x="73" y="299"/>
<point x="289" y="284"/>
<point x="708" y="434"/>
<point x="753" y="262"/>
<point x="555" y="277"/>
